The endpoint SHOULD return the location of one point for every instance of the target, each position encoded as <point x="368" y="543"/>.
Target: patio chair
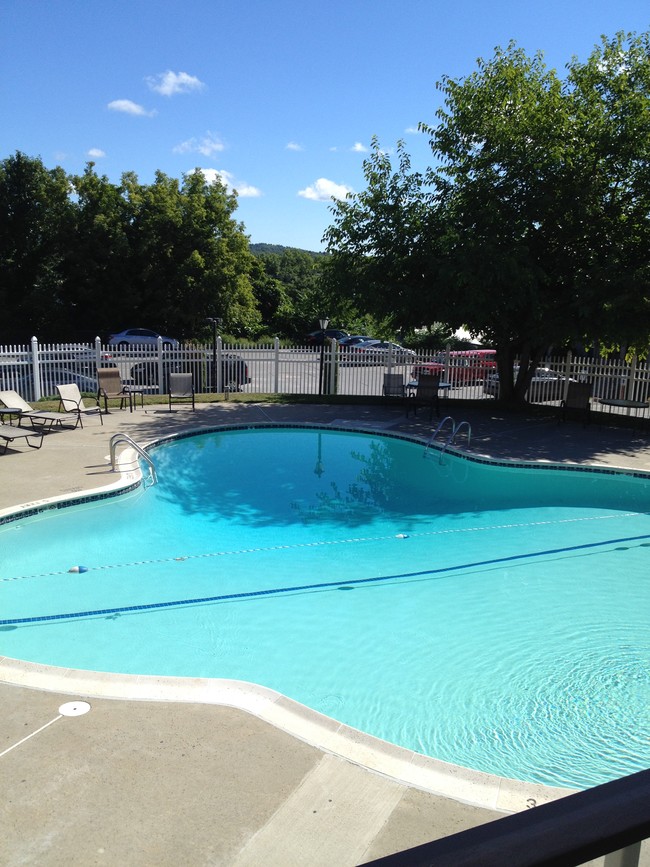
<point x="577" y="402"/>
<point x="110" y="387"/>
<point x="181" y="388"/>
<point x="37" y="418"/>
<point x="71" y="401"/>
<point x="394" y="385"/>
<point x="427" y="393"/>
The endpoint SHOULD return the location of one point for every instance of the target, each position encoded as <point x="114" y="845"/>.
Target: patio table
<point x="10" y="411"/>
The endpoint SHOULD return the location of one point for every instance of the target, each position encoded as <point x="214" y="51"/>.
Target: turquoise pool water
<point x="488" y="616"/>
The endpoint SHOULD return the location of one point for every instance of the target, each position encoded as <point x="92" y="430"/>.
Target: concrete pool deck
<point x="154" y="775"/>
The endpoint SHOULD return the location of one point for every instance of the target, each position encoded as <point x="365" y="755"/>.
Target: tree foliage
<point x="36" y="222"/>
<point x="290" y="291"/>
<point x="381" y="243"/>
<point x="81" y="256"/>
<point x="531" y="226"/>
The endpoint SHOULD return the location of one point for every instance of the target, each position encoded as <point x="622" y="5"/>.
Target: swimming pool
<point x="493" y="617"/>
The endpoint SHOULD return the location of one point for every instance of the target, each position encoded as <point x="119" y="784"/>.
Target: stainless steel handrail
<point x="455" y="428"/>
<point x="118" y="438"/>
<point x="459" y="427"/>
<point x="438" y="429"/>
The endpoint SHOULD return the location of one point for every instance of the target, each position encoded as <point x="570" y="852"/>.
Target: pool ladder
<point x="451" y="438"/>
<point x="118" y="438"/>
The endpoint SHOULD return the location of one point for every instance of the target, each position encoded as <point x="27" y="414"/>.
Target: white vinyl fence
<point x="35" y="370"/>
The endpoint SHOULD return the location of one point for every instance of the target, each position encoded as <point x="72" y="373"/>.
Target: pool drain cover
<point x="74" y="708"/>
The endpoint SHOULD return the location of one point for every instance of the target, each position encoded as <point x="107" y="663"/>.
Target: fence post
<point x="631" y="376"/>
<point x="276" y="372"/>
<point x="159" y="359"/>
<point x="334" y="368"/>
<point x="567" y="373"/>
<point x="218" y="373"/>
<point x="36" y="373"/>
<point x="98" y="351"/>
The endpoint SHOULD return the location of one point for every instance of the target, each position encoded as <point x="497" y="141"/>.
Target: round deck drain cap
<point x="74" y="708"/>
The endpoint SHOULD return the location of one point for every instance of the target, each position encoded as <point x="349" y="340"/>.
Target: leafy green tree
<point x="190" y="256"/>
<point x="273" y="299"/>
<point x="98" y="263"/>
<point x="610" y="96"/>
<point x="531" y="228"/>
<point x="383" y="245"/>
<point x="293" y="302"/>
<point x="80" y="255"/>
<point x="504" y="202"/>
<point x="35" y="223"/>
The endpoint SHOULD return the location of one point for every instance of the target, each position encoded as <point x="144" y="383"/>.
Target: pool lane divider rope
<point x="316" y="544"/>
<point x="323" y="585"/>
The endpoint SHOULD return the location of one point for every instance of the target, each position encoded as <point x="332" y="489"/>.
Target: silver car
<point x="140" y="337"/>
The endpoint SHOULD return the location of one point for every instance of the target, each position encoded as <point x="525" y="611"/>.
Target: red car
<point x="465" y="368"/>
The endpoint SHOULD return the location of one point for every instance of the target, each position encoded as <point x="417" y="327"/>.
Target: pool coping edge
<point x="405" y="766"/>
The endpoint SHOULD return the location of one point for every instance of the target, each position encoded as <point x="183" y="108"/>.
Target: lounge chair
<point x="37" y="418"/>
<point x="577" y="402"/>
<point x="427" y="393"/>
<point x="181" y="387"/>
<point x="71" y="401"/>
<point x="9" y="433"/>
<point x="110" y="387"/>
<point x="394" y="385"/>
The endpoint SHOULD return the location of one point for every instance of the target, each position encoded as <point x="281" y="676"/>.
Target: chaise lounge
<point x="9" y="433"/>
<point x="40" y="418"/>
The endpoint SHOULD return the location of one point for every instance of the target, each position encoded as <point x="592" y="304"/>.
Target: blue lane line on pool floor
<point x="251" y="594"/>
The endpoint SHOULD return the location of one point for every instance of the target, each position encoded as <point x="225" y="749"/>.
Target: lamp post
<point x="323" y="325"/>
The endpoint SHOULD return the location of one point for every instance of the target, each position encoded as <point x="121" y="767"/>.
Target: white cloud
<point x="412" y="130"/>
<point x="96" y="153"/>
<point x="129" y="107"/>
<point x="357" y="148"/>
<point x="245" y="191"/>
<point x="323" y="190"/>
<point x="294" y="146"/>
<point x="207" y="145"/>
<point x="170" y="83"/>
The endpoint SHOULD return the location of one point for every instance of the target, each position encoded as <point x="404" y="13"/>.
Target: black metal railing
<point x="570" y="831"/>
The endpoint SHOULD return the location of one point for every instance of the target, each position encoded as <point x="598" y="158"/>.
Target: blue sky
<point x="280" y="97"/>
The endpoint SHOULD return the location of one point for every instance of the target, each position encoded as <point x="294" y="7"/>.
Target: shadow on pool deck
<point x="165" y="783"/>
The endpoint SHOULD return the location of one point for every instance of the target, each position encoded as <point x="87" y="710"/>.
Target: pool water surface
<point x="494" y="617"/>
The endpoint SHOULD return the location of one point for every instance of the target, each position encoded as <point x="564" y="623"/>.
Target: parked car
<point x="80" y="352"/>
<point x="379" y="350"/>
<point x="234" y="371"/>
<point x="21" y="379"/>
<point x="546" y="385"/>
<point x="140" y="337"/>
<point x="466" y="367"/>
<point x="54" y="376"/>
<point x="353" y="340"/>
<point x="317" y="338"/>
